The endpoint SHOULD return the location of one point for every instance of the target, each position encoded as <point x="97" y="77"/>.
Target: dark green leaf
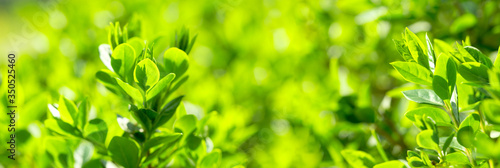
<point x="124" y="152"/>
<point x="160" y="86"/>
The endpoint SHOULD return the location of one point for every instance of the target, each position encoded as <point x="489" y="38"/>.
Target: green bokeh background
<point x="293" y="82"/>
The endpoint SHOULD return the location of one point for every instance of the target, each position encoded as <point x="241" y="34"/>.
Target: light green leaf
<point x="96" y="131"/>
<point x="474" y="72"/>
<point x="124" y="152"/>
<point x="403" y="50"/>
<point x="415" y="162"/>
<point x="473" y="121"/>
<point x="137" y="44"/>
<point x="160" y="86"/>
<point x="123" y="60"/>
<point x="430" y="53"/>
<point x="438" y="115"/>
<point x="479" y="56"/>
<point x="425" y="96"/>
<point x="391" y="164"/>
<point x="491" y="110"/>
<point x="457" y="158"/>
<point x="67" y="110"/>
<point x="186" y="124"/>
<point x="61" y="127"/>
<point x="441" y="47"/>
<point x="445" y="77"/>
<point x="428" y="140"/>
<point x="465" y="56"/>
<point x="465" y="136"/>
<point x="463" y="23"/>
<point x="416" y="48"/>
<point x="358" y="159"/>
<point x="82" y="114"/>
<point x="161" y="140"/>
<point x="414" y="72"/>
<point x="497" y="60"/>
<point x="146" y="74"/>
<point x="176" y="61"/>
<point x="130" y="90"/>
<point x="211" y="160"/>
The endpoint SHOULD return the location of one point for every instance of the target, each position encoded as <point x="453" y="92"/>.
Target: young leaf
<point x="428" y="140"/>
<point x="403" y="50"/>
<point x="130" y="90"/>
<point x="160" y="86"/>
<point x="483" y="59"/>
<point x="61" y="127"/>
<point x="497" y="60"/>
<point x="474" y="72"/>
<point x="124" y="152"/>
<point x="146" y="74"/>
<point x="438" y="115"/>
<point x="414" y="72"/>
<point x="445" y="77"/>
<point x="430" y="53"/>
<point x="105" y="55"/>
<point x="358" y="158"/>
<point x="123" y="60"/>
<point x="137" y="44"/>
<point x="465" y="56"/>
<point x="186" y="124"/>
<point x="416" y="48"/>
<point x="465" y="136"/>
<point x="471" y="121"/>
<point x="82" y="114"/>
<point x="176" y="61"/>
<point x="425" y="96"/>
<point x="68" y="111"/>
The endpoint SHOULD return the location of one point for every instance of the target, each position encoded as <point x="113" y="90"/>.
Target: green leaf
<point x="403" y="50"/>
<point x="497" y="60"/>
<point x="68" y="111"/>
<point x="61" y="127"/>
<point x="438" y="115"/>
<point x="463" y="23"/>
<point x="416" y="48"/>
<point x="137" y="44"/>
<point x="445" y="77"/>
<point x="186" y="124"/>
<point x="153" y="142"/>
<point x="430" y="53"/>
<point x="211" y="160"/>
<point x="473" y="121"/>
<point x="82" y="114"/>
<point x="428" y="140"/>
<point x="414" y="72"/>
<point x="123" y="60"/>
<point x="448" y="141"/>
<point x="391" y="164"/>
<point x="474" y="72"/>
<point x="478" y="55"/>
<point x="465" y="136"/>
<point x="358" y="159"/>
<point x="457" y="158"/>
<point x="143" y="119"/>
<point x="130" y="90"/>
<point x="441" y="47"/>
<point x="146" y="74"/>
<point x="167" y="112"/>
<point x="425" y="96"/>
<point x="464" y="55"/>
<point x="124" y="152"/>
<point x="160" y="86"/>
<point x="176" y="61"/>
<point x="105" y="55"/>
<point x="96" y="131"/>
<point x="415" y="162"/>
<point x="491" y="110"/>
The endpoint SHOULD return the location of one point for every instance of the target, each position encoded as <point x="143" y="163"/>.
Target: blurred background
<point x="293" y="82"/>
